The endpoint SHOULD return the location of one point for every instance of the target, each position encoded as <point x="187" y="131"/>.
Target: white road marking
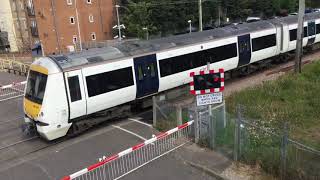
<point x="137" y="120"/>
<point x="130" y="132"/>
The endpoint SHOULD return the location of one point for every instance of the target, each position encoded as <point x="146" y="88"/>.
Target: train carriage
<point x="68" y="92"/>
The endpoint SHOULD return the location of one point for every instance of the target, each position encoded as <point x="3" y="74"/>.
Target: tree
<point x="168" y="17"/>
<point x="138" y="15"/>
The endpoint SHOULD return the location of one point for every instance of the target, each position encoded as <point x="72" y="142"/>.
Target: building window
<point x="89" y="1"/>
<point x="21" y="6"/>
<point x="69" y="2"/>
<point x="91" y="18"/>
<point x="13" y="7"/>
<point x="75" y="39"/>
<point x="93" y="36"/>
<point x="25" y="25"/>
<point x="72" y="20"/>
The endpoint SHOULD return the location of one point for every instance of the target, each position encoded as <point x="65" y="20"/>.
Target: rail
<point x="129" y="160"/>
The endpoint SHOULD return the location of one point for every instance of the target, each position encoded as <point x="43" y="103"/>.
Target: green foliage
<point x="293" y="98"/>
<point x="167" y="17"/>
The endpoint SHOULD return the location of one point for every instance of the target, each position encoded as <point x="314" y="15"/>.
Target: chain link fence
<point x="253" y="142"/>
<point x="171" y="109"/>
<point x="177" y="107"/>
<point x="240" y="137"/>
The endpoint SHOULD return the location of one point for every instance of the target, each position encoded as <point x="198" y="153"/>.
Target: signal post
<point x="207" y="85"/>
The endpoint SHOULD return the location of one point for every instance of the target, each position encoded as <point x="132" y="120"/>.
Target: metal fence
<point x="12" y="91"/>
<point x="129" y="160"/>
<point x="171" y="109"/>
<point x="252" y="142"/>
<point x="17" y="67"/>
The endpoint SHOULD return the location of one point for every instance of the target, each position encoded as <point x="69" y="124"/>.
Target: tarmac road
<point x="37" y="159"/>
<point x="8" y="78"/>
<point x="41" y="160"/>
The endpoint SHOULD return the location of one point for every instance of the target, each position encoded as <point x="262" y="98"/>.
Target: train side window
<point x="264" y="42"/>
<point x="293" y="34"/>
<point x="140" y="73"/>
<point x="305" y="32"/>
<point x="189" y="61"/>
<point x="223" y="52"/>
<point x="74" y="88"/>
<point x="152" y="69"/>
<point x="109" y="81"/>
<point x="318" y="28"/>
<point x="311" y="30"/>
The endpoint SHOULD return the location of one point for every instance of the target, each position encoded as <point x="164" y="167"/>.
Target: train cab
<point x="45" y="104"/>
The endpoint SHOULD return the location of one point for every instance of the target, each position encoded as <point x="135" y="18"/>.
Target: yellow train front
<point x="45" y="101"/>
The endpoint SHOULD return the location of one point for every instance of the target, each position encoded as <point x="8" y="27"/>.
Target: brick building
<point x="63" y="24"/>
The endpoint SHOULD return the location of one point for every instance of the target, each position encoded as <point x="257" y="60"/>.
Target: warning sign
<point x="207" y="99"/>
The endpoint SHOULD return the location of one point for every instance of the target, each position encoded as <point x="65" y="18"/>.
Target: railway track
<point x="10" y="121"/>
<point x="23" y="145"/>
<point x="19" y="142"/>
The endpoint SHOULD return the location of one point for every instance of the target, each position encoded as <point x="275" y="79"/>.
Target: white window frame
<point x="69" y="2"/>
<point x="89" y="1"/>
<point x="74" y="39"/>
<point x="91" y="19"/>
<point x="21" y="6"/>
<point x="93" y="36"/>
<point x="74" y="20"/>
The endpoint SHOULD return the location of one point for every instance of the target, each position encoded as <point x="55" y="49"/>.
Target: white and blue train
<point x="68" y="92"/>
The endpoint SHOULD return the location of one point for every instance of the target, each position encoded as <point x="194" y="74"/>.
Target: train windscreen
<point x="36" y="86"/>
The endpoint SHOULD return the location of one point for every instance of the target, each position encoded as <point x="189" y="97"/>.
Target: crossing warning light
<point x="205" y="82"/>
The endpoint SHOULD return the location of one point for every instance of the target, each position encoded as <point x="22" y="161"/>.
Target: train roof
<point x="138" y="47"/>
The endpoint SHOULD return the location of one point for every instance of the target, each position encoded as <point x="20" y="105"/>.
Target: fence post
<point x="224" y="114"/>
<point x="196" y="125"/>
<point x="154" y="107"/>
<point x="284" y="143"/>
<point x="179" y="114"/>
<point x="1" y="64"/>
<point x="237" y="135"/>
<point x="212" y="128"/>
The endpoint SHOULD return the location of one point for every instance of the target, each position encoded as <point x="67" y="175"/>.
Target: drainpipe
<point x="55" y="25"/>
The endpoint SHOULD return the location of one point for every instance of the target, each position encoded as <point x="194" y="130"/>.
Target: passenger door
<point x="76" y="95"/>
<point x="311" y="33"/>
<point x="146" y="72"/>
<point x="244" y="46"/>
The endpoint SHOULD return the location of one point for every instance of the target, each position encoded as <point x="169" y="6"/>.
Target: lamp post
<point x="147" y="32"/>
<point x="78" y="25"/>
<point x="118" y="26"/>
<point x="200" y="15"/>
<point x="190" y="26"/>
<point x="299" y="46"/>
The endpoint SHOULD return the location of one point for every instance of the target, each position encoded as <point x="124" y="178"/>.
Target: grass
<point x="292" y="98"/>
<point x="164" y="124"/>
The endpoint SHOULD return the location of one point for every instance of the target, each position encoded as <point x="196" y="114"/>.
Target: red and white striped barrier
<point x="129" y="160"/>
<point x="13" y="85"/>
<point x="11" y="91"/>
